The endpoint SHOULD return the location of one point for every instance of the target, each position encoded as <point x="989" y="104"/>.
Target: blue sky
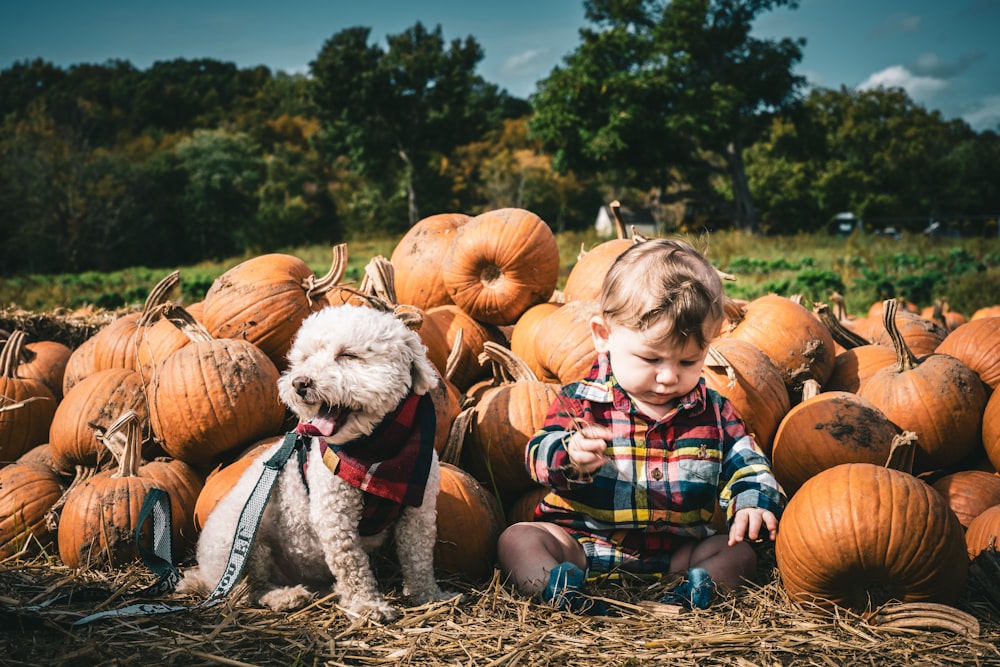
<point x="942" y="52"/>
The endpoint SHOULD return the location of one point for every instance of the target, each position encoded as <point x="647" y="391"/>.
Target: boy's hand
<point x="586" y="447"/>
<point x="748" y="523"/>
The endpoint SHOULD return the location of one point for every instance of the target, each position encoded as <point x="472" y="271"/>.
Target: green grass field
<point x="864" y="269"/>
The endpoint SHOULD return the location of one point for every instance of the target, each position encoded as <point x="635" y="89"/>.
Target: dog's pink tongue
<point x="324" y="423"/>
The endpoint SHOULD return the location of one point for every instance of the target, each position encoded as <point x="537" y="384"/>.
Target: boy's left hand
<point x="747" y="523"/>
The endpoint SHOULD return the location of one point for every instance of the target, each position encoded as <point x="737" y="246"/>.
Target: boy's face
<point x="654" y="374"/>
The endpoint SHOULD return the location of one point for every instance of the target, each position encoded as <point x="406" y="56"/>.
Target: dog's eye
<point x="344" y="355"/>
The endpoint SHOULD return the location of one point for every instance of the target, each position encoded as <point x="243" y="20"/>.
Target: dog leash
<point x="157" y="506"/>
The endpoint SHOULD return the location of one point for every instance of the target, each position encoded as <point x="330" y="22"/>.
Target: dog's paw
<point x="285" y="599"/>
<point x="377" y="610"/>
<point x="434" y="594"/>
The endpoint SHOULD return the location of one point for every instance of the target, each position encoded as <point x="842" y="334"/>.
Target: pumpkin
<point x="937" y="397"/>
<point x="985" y="311"/>
<point x="586" y="278"/>
<point x="969" y="493"/>
<point x="27" y="493"/>
<point x="115" y="345"/>
<point x="525" y="331"/>
<point x="858" y="535"/>
<point x="922" y="335"/>
<point x="80" y="364"/>
<point x="826" y="429"/>
<point x="418" y="258"/>
<point x="27" y="406"/>
<point x="264" y="299"/>
<point x="991" y="429"/>
<point x="223" y="478"/>
<point x="564" y="345"/>
<point x="942" y="314"/>
<point x="86" y="412"/>
<point x="745" y="375"/>
<point x="857" y="358"/>
<point x="795" y="341"/>
<point x="501" y="263"/>
<point x="469" y="524"/>
<point x="463" y="367"/>
<point x="983" y="532"/>
<point x="503" y="421"/>
<point x="523" y="509"/>
<point x="977" y="345"/>
<point x="213" y="396"/>
<point x="100" y="516"/>
<point x="45" y="361"/>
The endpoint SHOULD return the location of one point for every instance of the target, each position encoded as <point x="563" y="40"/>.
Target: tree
<point x="397" y="114"/>
<point x="664" y="91"/>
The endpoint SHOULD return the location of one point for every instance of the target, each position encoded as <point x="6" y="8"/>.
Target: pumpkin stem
<point x="317" y="287"/>
<point x="716" y="359"/>
<point x="454" y="356"/>
<point x="905" y="359"/>
<point x="901" y="451"/>
<point x="81" y="475"/>
<point x="507" y="366"/>
<point x="844" y="337"/>
<point x="451" y="452"/>
<point x="839" y="306"/>
<point x="123" y="438"/>
<point x="185" y="321"/>
<point x="10" y="356"/>
<point x="158" y="296"/>
<point x="380" y="280"/>
<point x="615" y="207"/>
<point x="810" y="389"/>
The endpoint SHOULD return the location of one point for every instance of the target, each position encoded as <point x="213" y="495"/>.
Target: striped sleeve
<point x="748" y="480"/>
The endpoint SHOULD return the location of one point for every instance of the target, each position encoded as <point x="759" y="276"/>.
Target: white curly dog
<point x="358" y="380"/>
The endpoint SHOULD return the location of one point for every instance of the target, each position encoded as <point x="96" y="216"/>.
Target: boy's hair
<point x="664" y="280"/>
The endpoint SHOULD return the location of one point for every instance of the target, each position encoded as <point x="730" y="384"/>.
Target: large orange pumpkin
<point x="796" y="342"/>
<point x="501" y="263"/>
<point x="213" y="397"/>
<point x="45" y="360"/>
<point x="463" y="367"/>
<point x="969" y="493"/>
<point x="418" y="257"/>
<point x="525" y="331"/>
<point x="469" y="524"/>
<point x="745" y="375"/>
<point x="858" y="535"/>
<point x="263" y="300"/>
<point x="983" y="532"/>
<point x="564" y="346"/>
<point x="827" y="429"/>
<point x="977" y="345"/>
<point x="937" y="397"/>
<point x="27" y="406"/>
<point x="27" y="493"/>
<point x="586" y="277"/>
<point x="504" y="420"/>
<point x="991" y="429"/>
<point x="86" y="412"/>
<point x="99" y="519"/>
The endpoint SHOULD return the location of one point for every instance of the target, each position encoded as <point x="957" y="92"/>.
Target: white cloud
<point x="897" y="76"/>
<point x="526" y="62"/>
<point x="984" y="113"/>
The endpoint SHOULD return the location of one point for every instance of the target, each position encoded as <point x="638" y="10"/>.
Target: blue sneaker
<point x="695" y="593"/>
<point x="566" y="590"/>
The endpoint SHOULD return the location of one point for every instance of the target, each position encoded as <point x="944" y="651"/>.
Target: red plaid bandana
<point x="391" y="464"/>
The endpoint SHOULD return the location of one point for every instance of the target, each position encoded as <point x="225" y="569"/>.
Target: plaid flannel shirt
<point x="662" y="476"/>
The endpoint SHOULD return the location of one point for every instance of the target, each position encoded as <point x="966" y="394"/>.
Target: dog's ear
<point x="425" y="375"/>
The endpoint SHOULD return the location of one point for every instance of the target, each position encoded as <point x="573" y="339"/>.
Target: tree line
<point x="675" y="106"/>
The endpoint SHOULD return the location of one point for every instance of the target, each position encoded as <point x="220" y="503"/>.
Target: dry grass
<point x="489" y="626"/>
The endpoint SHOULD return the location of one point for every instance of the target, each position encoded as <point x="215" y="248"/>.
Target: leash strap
<point x="159" y="561"/>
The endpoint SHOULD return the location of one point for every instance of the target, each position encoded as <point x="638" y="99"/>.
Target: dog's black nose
<point x="302" y="385"/>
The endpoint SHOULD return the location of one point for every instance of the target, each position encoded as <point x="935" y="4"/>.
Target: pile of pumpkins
<point x="884" y="430"/>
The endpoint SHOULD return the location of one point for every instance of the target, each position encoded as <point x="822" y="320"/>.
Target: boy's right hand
<point x="586" y="447"/>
